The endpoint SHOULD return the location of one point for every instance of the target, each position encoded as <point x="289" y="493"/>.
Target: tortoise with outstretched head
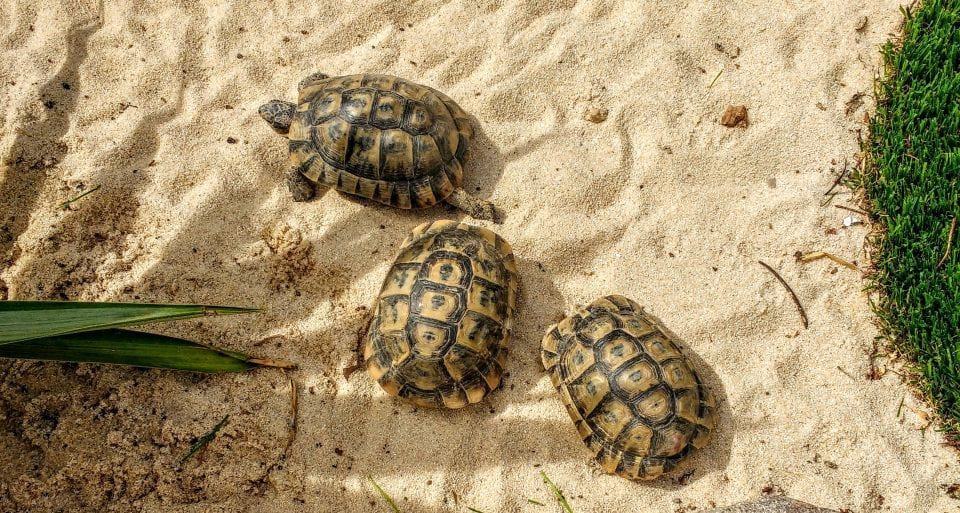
<point x="378" y="137"/>
<point x="442" y="321"/>
<point x="635" y="398"/>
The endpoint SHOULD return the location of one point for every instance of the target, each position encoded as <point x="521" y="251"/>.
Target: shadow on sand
<point x="38" y="145"/>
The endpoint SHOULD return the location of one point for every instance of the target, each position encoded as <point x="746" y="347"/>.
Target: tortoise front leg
<point x="474" y="207"/>
<point x="301" y="188"/>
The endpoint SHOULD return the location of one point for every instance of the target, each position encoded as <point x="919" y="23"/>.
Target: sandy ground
<point x="156" y="103"/>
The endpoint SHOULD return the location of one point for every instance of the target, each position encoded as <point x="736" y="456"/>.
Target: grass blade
<point x="385" y="495"/>
<point x="67" y="203"/>
<point x="204" y="440"/>
<point x="25" y="320"/>
<point x="124" y="347"/>
<point x="557" y="492"/>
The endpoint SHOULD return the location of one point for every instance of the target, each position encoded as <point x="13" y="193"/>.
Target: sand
<point x="155" y="103"/>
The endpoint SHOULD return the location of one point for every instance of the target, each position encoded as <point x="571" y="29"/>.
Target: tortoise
<point x="637" y="402"/>
<point x="443" y="318"/>
<point x="378" y="137"/>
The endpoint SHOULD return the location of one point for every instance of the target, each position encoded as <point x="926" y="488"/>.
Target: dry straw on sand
<point x="155" y="103"/>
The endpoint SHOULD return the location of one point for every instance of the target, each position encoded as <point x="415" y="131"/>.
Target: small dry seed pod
<point x="637" y="402"/>
<point x="442" y="321"/>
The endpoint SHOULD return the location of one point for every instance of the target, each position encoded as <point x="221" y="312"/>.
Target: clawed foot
<point x="300" y="188"/>
<point x="475" y="207"/>
<point x="486" y="211"/>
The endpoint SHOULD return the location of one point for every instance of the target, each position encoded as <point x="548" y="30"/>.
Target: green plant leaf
<point x="124" y="347"/>
<point x="386" y="496"/>
<point x="557" y="492"/>
<point x="204" y="440"/>
<point x="26" y="320"/>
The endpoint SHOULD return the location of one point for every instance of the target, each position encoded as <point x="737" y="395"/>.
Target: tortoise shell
<point x="380" y="137"/>
<point x="634" y="397"/>
<point x="444" y="315"/>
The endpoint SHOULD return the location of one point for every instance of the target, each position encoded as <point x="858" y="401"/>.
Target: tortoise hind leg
<point x="301" y="188"/>
<point x="475" y="207"/>
<point x="311" y="79"/>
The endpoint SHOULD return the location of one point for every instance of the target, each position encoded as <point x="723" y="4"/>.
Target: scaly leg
<point x="301" y="188"/>
<point x="475" y="207"/>
<point x="313" y="78"/>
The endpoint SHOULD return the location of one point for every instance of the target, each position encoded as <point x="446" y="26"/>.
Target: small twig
<point x="385" y="495"/>
<point x="843" y="173"/>
<point x="272" y="362"/>
<point x="714" y="81"/>
<point x="874" y="373"/>
<point x="900" y="408"/>
<point x="474" y="510"/>
<point x="854" y="210"/>
<point x="829" y="199"/>
<point x="557" y="492"/>
<point x="361" y="336"/>
<point x="817" y="255"/>
<point x="839" y="368"/>
<point x="294" y="414"/>
<point x="538" y="503"/>
<point x="204" y="440"/>
<point x="836" y="182"/>
<point x="291" y="433"/>
<point x="946" y="254"/>
<point x="67" y="203"/>
<point x="803" y="313"/>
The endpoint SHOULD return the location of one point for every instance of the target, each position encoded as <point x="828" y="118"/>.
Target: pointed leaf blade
<point x="125" y="347"/>
<point x="26" y="320"/>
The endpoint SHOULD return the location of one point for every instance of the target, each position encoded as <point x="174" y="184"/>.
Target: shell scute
<point x="356" y="105"/>
<point x="388" y="110"/>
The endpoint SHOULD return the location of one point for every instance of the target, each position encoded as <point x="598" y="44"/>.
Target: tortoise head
<point x="279" y="114"/>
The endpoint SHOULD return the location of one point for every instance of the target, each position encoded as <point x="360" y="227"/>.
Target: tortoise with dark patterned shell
<point x="443" y="319"/>
<point x="636" y="400"/>
<point x="378" y="137"/>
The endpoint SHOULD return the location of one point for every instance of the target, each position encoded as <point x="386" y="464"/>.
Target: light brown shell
<point x="444" y="315"/>
<point x="380" y="137"/>
<point x="637" y="402"/>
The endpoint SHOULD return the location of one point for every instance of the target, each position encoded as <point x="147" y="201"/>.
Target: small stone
<point x="952" y="490"/>
<point x="862" y="23"/>
<point x="231" y="140"/>
<point x="735" y="116"/>
<point x="596" y="115"/>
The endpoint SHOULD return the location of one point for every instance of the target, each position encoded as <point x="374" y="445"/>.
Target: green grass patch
<point x="910" y="181"/>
